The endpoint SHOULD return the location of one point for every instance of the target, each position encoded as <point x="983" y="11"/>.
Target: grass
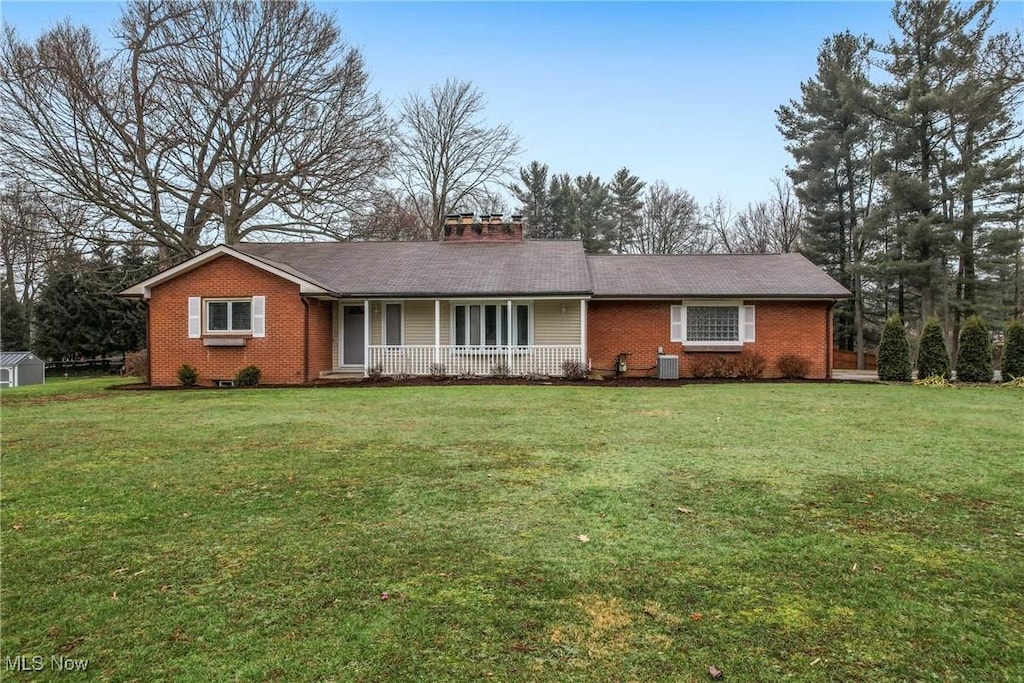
<point x="805" y="532"/>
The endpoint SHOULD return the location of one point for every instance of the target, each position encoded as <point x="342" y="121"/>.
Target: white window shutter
<point x="259" y="317"/>
<point x="676" y="331"/>
<point x="195" y="317"/>
<point x="748" y="323"/>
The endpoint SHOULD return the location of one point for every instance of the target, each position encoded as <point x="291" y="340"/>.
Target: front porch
<point x="478" y="337"/>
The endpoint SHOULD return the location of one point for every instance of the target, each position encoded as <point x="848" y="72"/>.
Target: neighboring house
<point x="21" y="368"/>
<point x="484" y="301"/>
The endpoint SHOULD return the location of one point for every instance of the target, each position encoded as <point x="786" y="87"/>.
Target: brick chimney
<point x="465" y="227"/>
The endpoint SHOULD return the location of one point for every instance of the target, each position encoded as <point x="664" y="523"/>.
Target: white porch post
<point x="366" y="338"/>
<point x="583" y="333"/>
<point x="437" y="332"/>
<point x="511" y="339"/>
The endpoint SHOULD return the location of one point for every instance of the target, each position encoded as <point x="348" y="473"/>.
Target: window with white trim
<point x="488" y="324"/>
<point x="229" y="315"/>
<point x="392" y="322"/>
<point x="712" y="323"/>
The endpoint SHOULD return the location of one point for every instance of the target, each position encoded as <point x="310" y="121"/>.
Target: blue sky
<point x="683" y="92"/>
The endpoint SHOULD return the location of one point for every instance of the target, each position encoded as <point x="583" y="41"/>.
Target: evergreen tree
<point x="974" y="354"/>
<point x="894" y="352"/>
<point x="627" y="204"/>
<point x="14" y="324"/>
<point x="932" y="355"/>
<point x="1013" y="351"/>
<point x="594" y="222"/>
<point x="830" y="134"/>
<point x="532" y="193"/>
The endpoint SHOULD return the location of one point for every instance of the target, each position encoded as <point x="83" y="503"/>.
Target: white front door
<point x="353" y="335"/>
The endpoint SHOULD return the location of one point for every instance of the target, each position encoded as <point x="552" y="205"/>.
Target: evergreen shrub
<point x="894" y="352"/>
<point x="932" y="355"/>
<point x="248" y="376"/>
<point x="187" y="376"/>
<point x="974" y="354"/>
<point x="1013" y="351"/>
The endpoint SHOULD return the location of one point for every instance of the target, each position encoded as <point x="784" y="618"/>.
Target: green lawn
<point x="808" y="532"/>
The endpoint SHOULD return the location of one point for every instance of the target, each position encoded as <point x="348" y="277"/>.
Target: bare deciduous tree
<point x="766" y="227"/>
<point x="447" y="157"/>
<point x="211" y="121"/>
<point x="671" y="223"/>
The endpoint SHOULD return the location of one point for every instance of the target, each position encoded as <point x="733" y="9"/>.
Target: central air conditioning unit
<point x="668" y="367"/>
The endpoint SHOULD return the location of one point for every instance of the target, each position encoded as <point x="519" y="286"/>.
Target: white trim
<point x="678" y="317"/>
<point x="142" y="289"/>
<point x="583" y="328"/>
<point x="748" y="320"/>
<point x="259" y="316"/>
<point x="195" y="317"/>
<point x="229" y="300"/>
<point x="437" y="331"/>
<point x="366" y="338"/>
<point x="513" y="314"/>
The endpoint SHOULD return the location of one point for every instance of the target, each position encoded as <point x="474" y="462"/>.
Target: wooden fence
<point x="847" y="360"/>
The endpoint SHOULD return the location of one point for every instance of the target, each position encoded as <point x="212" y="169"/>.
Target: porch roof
<point x="782" y="276"/>
<point x="429" y="269"/>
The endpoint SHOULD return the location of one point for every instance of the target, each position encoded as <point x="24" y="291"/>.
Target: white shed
<point x="20" y="368"/>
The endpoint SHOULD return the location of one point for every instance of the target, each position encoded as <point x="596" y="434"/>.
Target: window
<point x="392" y="324"/>
<point x="712" y="323"/>
<point x="487" y="325"/>
<point x="233" y="315"/>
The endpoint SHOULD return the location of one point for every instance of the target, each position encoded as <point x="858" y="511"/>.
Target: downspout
<point x="149" y="347"/>
<point x="305" y="341"/>
<point x="828" y="339"/>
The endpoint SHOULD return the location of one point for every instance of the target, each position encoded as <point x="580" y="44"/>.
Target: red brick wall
<point x="640" y="327"/>
<point x="279" y="354"/>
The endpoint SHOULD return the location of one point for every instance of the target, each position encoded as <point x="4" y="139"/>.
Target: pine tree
<point x="627" y="204"/>
<point x="532" y="193"/>
<point x="14" y="324"/>
<point x="1013" y="351"/>
<point x="974" y="354"/>
<point x="894" y="352"/>
<point x="830" y="134"/>
<point x="932" y="355"/>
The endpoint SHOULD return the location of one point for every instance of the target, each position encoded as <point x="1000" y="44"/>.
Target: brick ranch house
<point x="482" y="301"/>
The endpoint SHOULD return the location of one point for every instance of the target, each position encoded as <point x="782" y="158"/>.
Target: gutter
<point x="305" y="340"/>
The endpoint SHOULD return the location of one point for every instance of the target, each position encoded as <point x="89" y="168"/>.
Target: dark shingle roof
<point x="433" y="268"/>
<point x="710" y="275"/>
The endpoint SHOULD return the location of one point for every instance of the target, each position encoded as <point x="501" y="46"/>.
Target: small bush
<point x="187" y="376"/>
<point x="574" y="370"/>
<point x="248" y="376"/>
<point x="713" y="366"/>
<point x="535" y="377"/>
<point x="438" y="370"/>
<point x="932" y="355"/>
<point x="376" y="373"/>
<point x="894" y="352"/>
<point x="1013" y="351"/>
<point x="135" y="364"/>
<point x="792" y="366"/>
<point x="974" y="354"/>
<point x="500" y="369"/>
<point x="749" y="365"/>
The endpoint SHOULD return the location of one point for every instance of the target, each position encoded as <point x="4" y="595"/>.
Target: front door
<point x="353" y="336"/>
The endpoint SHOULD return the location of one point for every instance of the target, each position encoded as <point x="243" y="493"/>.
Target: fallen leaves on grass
<point x="685" y="511"/>
<point x="583" y="538"/>
<point x="715" y="672"/>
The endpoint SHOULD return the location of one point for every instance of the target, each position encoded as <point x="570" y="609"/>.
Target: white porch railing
<point x="472" y="360"/>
